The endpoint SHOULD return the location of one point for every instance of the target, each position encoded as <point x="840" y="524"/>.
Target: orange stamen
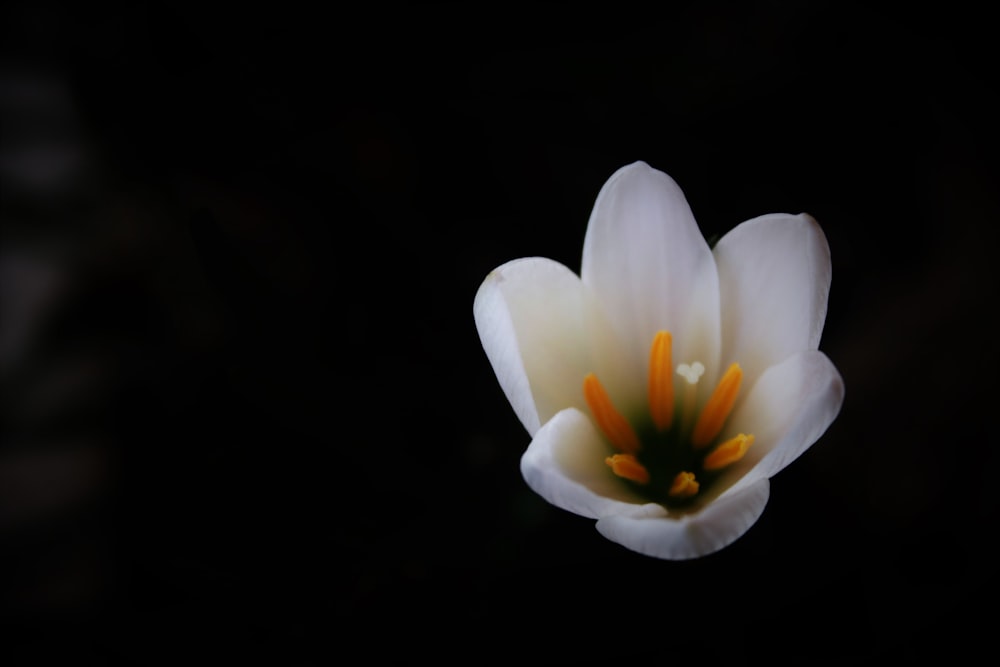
<point x="720" y="403"/>
<point x="627" y="466"/>
<point x="661" y="384"/>
<point x="684" y="486"/>
<point x="730" y="451"/>
<point x="615" y="427"/>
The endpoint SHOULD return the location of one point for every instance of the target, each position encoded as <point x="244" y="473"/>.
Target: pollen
<point x="730" y="451"/>
<point x="627" y="466"/>
<point x="661" y="385"/>
<point x="720" y="403"/>
<point x="615" y="427"/>
<point x="684" y="486"/>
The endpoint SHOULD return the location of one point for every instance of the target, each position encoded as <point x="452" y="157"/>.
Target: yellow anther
<point x="720" y="403"/>
<point x="615" y="427"/>
<point x="661" y="384"/>
<point x="684" y="486"/>
<point x="627" y="466"/>
<point x="730" y="451"/>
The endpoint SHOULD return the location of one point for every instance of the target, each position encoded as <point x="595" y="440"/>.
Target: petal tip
<point x="712" y="529"/>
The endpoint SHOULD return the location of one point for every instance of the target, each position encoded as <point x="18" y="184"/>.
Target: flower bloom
<point x="665" y="385"/>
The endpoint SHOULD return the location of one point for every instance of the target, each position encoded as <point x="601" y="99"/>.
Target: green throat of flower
<point x="673" y="457"/>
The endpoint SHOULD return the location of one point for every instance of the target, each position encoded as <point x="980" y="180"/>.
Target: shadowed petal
<point x="690" y="536"/>
<point x="565" y="465"/>
<point x="543" y="333"/>
<point x="647" y="261"/>
<point x="774" y="277"/>
<point x="787" y="410"/>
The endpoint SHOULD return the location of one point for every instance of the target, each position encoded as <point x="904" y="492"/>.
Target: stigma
<point x="672" y="456"/>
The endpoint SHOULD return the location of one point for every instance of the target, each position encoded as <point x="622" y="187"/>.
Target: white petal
<point x="690" y="536"/>
<point x="787" y="410"/>
<point x="647" y="261"/>
<point x="565" y="465"/>
<point x="774" y="277"/>
<point x="542" y="333"/>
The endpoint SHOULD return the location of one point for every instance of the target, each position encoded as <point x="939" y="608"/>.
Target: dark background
<point x="246" y="414"/>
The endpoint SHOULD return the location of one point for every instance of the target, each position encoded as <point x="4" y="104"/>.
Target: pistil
<point x="691" y="374"/>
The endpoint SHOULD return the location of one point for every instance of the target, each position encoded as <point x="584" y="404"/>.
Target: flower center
<point x="674" y="456"/>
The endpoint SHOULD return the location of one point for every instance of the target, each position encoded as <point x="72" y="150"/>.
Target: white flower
<point x="668" y="382"/>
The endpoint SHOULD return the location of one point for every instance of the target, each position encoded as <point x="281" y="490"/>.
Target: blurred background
<point x="246" y="415"/>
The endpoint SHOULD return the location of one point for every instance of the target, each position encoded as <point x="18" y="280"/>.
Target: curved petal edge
<point x="499" y="340"/>
<point x="691" y="536"/>
<point x="565" y="465"/>
<point x="774" y="279"/>
<point x="789" y="408"/>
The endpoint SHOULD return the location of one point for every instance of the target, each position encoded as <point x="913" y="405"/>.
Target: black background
<point x="250" y="419"/>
